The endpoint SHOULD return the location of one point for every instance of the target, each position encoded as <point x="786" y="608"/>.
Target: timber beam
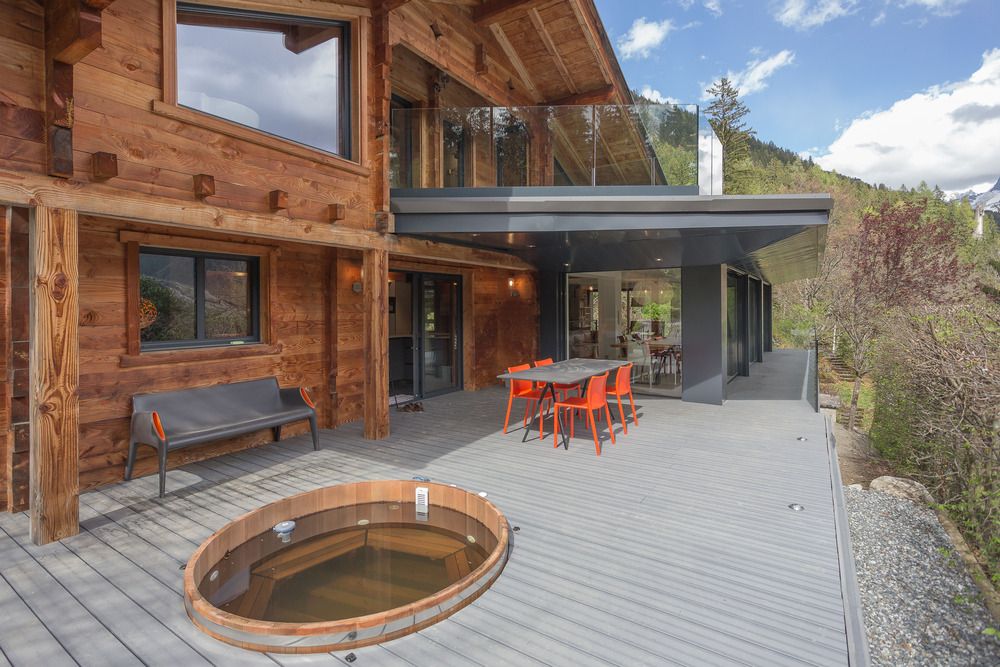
<point x="101" y="199"/>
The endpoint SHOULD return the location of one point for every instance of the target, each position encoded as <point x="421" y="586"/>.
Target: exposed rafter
<point x="492" y="11"/>
<point x="515" y="61"/>
<point x="591" y="38"/>
<point x="550" y="46"/>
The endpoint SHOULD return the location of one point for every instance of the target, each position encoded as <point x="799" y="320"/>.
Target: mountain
<point x="985" y="201"/>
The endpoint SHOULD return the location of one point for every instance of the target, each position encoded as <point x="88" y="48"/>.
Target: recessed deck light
<point x="795" y="507"/>
<point x="802" y="438"/>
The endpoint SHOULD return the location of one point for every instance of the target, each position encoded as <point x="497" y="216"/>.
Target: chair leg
<point x="506" y="420"/>
<point x="163" y="469"/>
<point x="621" y="413"/>
<point x="315" y="432"/>
<point x="611" y="429"/>
<point x="593" y="430"/>
<point x="635" y="420"/>
<point x="130" y="462"/>
<point x="555" y="433"/>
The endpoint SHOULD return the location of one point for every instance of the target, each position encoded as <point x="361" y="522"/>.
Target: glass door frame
<point x="419" y="277"/>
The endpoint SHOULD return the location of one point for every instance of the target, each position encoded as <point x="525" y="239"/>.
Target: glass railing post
<point x="593" y="142"/>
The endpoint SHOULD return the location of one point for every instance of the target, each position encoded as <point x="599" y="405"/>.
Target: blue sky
<point x="888" y="90"/>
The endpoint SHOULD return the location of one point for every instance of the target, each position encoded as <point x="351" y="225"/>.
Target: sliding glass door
<point x="440" y="334"/>
<point x="736" y="324"/>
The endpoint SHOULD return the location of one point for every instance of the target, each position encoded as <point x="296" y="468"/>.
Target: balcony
<point x="669" y="146"/>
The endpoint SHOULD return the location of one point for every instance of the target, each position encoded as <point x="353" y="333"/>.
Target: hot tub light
<point x="482" y="494"/>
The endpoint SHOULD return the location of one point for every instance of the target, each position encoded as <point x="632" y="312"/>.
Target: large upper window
<point x="190" y="299"/>
<point x="284" y="75"/>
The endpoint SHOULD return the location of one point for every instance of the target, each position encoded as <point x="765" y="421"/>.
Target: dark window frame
<point x="345" y="101"/>
<point x="200" y="340"/>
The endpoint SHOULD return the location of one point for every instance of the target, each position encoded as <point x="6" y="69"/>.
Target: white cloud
<point x="939" y="7"/>
<point x="643" y="37"/>
<point x="880" y="19"/>
<point x="805" y="14"/>
<point x="753" y="78"/>
<point x="713" y="7"/>
<point x="653" y="94"/>
<point x="945" y="135"/>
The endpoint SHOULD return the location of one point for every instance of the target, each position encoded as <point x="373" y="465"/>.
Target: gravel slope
<point x="920" y="605"/>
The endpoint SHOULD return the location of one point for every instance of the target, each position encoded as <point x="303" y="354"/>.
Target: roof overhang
<point x="780" y="237"/>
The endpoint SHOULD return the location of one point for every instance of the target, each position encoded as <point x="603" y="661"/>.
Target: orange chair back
<point x="518" y="386"/>
<point x="543" y="362"/>
<point x="623" y="380"/>
<point x="596" y="392"/>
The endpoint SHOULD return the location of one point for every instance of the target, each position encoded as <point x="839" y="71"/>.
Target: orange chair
<point x="595" y="399"/>
<point x="525" y="389"/>
<point x="564" y="388"/>
<point x="623" y="387"/>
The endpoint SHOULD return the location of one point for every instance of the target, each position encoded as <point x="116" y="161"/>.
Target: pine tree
<point x="726" y="114"/>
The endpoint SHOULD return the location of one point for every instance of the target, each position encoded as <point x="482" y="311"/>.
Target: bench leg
<point x="130" y="462"/>
<point x="315" y="432"/>
<point x="277" y="433"/>
<point x="162" y="449"/>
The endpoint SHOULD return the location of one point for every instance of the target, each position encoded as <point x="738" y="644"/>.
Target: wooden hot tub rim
<point x="204" y="614"/>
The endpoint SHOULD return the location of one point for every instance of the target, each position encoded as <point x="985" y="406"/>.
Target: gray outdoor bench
<point x="172" y="420"/>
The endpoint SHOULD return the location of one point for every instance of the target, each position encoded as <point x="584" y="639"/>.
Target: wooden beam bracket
<point x="204" y="185"/>
<point x="103" y="166"/>
<point x="337" y="212"/>
<point x="277" y="200"/>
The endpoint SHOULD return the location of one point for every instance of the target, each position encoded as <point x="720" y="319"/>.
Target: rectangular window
<point x="284" y="75"/>
<point x="193" y="299"/>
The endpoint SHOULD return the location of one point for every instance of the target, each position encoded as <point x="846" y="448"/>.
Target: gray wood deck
<point x="676" y="546"/>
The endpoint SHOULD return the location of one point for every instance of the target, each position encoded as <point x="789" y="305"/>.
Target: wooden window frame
<point x="267" y="257"/>
<point x="356" y="108"/>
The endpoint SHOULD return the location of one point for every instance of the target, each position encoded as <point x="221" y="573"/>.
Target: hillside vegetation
<point x="910" y="299"/>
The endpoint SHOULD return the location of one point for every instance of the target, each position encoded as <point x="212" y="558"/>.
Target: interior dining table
<point x="571" y="371"/>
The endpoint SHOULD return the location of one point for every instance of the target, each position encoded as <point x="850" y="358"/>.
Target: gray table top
<point x="572" y="371"/>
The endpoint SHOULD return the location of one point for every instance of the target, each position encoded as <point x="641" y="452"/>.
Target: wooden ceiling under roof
<point x="557" y="49"/>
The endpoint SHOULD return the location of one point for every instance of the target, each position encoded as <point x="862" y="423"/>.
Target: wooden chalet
<point x="174" y="214"/>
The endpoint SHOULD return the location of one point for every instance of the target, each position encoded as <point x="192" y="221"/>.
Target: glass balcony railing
<point x="485" y="147"/>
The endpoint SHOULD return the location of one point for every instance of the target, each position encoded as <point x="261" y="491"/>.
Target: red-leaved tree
<point x="900" y="258"/>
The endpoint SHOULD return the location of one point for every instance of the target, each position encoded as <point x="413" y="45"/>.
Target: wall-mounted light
<point x="510" y="284"/>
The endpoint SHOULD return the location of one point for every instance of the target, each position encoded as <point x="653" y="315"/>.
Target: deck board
<point x="676" y="546"/>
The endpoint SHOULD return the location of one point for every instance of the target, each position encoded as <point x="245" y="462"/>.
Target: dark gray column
<point x="703" y="333"/>
<point x="552" y="314"/>
<point x="768" y="324"/>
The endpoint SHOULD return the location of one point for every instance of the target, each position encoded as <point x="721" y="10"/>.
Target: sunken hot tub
<point x="345" y="566"/>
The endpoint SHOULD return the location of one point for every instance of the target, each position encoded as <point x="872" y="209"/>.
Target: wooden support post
<point x="54" y="375"/>
<point x="375" y="284"/>
<point x="104" y="166"/>
<point x="204" y="185"/>
<point x="277" y="200"/>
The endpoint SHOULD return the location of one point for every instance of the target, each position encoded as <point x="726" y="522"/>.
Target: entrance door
<point x="425" y="334"/>
<point x="439" y="331"/>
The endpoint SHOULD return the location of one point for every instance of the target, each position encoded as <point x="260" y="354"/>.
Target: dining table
<point x="571" y="371"/>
